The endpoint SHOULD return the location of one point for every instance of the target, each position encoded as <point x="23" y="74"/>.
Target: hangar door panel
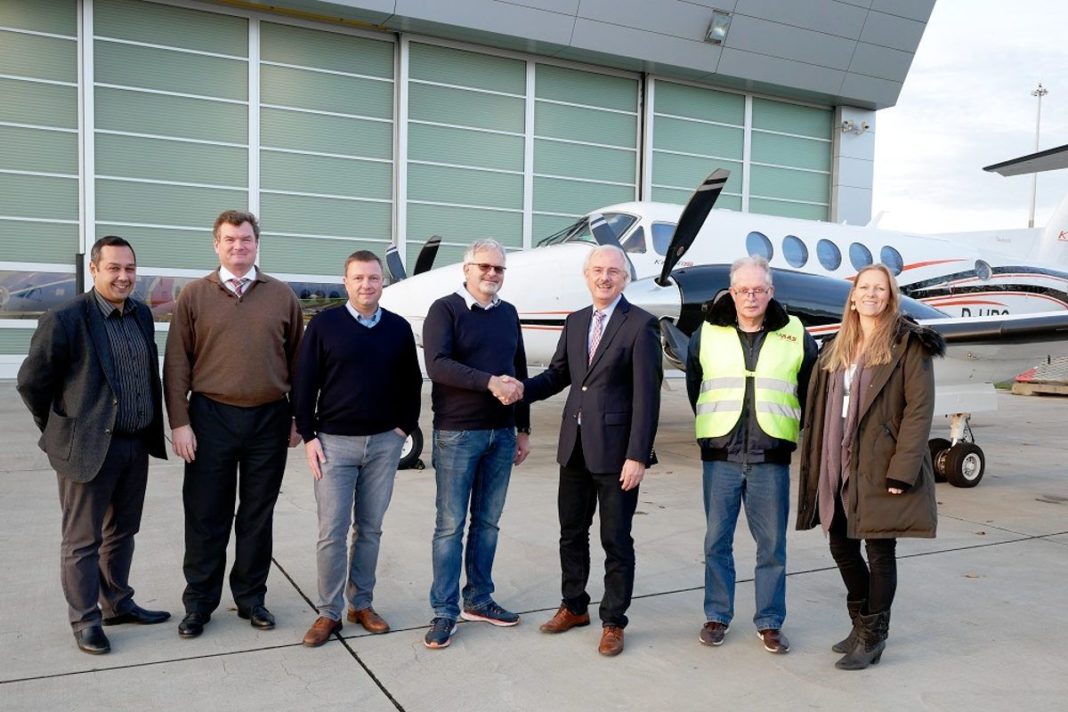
<point x="791" y="160"/>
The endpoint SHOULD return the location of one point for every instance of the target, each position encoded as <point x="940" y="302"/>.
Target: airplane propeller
<point x="423" y="263"/>
<point x="693" y="217"/>
<point x="605" y="235"/>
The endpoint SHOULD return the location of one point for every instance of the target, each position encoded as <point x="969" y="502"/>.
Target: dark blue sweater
<point x="463" y="348"/>
<point x="352" y="380"/>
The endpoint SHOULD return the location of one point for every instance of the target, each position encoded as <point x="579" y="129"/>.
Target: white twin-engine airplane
<point x="999" y="298"/>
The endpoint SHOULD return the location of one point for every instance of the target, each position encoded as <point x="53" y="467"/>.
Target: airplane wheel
<point x="964" y="463"/>
<point x="410" y="452"/>
<point x="937" y="447"/>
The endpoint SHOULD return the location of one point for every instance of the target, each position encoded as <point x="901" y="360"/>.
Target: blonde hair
<point x="850" y="339"/>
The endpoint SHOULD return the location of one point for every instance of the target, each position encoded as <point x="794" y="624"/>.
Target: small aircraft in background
<point x="999" y="298"/>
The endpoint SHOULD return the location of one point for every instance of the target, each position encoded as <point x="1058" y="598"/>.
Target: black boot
<point x="871" y="640"/>
<point x="844" y="646"/>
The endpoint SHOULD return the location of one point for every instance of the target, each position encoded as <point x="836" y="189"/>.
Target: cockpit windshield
<point x="580" y="231"/>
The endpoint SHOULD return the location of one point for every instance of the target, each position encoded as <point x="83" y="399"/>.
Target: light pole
<point x="1040" y="92"/>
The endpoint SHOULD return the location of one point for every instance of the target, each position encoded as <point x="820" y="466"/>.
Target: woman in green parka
<point x="865" y="468"/>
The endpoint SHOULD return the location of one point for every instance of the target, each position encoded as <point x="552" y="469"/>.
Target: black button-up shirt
<point x="132" y="356"/>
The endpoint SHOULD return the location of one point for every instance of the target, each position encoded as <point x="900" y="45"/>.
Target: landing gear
<point x="411" y="450"/>
<point x="958" y="461"/>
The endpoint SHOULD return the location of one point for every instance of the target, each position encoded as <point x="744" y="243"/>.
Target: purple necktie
<point x="598" y="329"/>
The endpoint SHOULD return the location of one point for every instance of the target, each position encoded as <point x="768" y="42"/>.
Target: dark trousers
<point x="230" y="439"/>
<point x="874" y="581"/>
<point x="578" y="497"/>
<point x="100" y="519"/>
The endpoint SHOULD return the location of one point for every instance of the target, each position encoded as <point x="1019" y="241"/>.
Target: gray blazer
<point x="67" y="382"/>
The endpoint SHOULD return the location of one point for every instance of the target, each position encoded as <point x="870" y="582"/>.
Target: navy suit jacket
<point x="67" y="382"/>
<point x="618" y="393"/>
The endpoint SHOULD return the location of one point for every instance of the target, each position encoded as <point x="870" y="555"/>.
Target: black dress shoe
<point x="92" y="640"/>
<point x="258" y="616"/>
<point x="193" y="624"/>
<point x="138" y="615"/>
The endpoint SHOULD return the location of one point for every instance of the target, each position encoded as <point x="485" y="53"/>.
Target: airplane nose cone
<point x="659" y="301"/>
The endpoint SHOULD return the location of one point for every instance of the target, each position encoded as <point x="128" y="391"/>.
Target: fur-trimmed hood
<point x="720" y="311"/>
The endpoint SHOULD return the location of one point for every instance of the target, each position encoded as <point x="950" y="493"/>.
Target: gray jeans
<point x="354" y="494"/>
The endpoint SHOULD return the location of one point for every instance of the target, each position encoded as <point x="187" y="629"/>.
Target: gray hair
<point x="481" y="245"/>
<point x="752" y="261"/>
<point x="600" y="249"/>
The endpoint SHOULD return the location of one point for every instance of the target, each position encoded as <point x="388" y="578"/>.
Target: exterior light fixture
<point x="717" y="29"/>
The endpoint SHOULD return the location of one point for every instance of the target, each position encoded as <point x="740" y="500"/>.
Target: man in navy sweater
<point x="472" y="338"/>
<point x="356" y="398"/>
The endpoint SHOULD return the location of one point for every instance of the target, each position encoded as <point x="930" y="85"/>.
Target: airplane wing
<point x="1049" y="327"/>
<point x="1051" y="159"/>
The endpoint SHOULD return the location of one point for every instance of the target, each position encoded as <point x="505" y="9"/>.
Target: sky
<point x="967" y="103"/>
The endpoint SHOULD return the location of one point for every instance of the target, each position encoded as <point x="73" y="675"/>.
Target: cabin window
<point x="636" y="242"/>
<point x="829" y="255"/>
<point x="662" y="234"/>
<point x="758" y="245"/>
<point x="859" y="256"/>
<point x="795" y="251"/>
<point x="892" y="259"/>
<point x="983" y="270"/>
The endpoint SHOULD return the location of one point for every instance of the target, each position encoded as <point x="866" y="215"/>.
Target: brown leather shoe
<point x="611" y="641"/>
<point x="564" y="620"/>
<point x="774" y="641"/>
<point x="321" y="631"/>
<point x="371" y="621"/>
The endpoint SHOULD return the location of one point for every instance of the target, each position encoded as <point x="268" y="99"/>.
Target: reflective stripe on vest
<point x="719" y="405"/>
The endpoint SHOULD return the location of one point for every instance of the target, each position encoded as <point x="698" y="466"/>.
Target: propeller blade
<point x="675" y="344"/>
<point x="394" y="265"/>
<point x="605" y="235"/>
<point x="425" y="261"/>
<point x="693" y="217"/>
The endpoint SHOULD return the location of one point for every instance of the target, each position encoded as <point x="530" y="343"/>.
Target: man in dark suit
<point x="610" y="354"/>
<point x="91" y="381"/>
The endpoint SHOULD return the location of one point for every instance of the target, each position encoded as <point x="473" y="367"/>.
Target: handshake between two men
<point x="506" y="389"/>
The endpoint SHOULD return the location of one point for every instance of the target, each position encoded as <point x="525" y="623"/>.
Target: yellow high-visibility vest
<point x="778" y="411"/>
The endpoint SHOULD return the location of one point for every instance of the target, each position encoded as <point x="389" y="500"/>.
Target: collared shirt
<point x="226" y="275"/>
<point x="368" y="321"/>
<point x="607" y="311"/>
<point x="472" y="302"/>
<point x="132" y="357"/>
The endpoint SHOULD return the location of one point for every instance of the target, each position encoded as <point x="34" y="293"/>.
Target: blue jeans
<point x="764" y="488"/>
<point x="354" y="493"/>
<point x="470" y="466"/>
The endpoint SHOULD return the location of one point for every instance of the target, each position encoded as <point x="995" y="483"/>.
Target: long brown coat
<point x="894" y="424"/>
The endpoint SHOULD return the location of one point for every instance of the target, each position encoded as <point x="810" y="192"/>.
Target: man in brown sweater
<point x="231" y="355"/>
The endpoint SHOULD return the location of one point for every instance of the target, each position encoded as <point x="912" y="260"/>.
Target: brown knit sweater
<point x="235" y="350"/>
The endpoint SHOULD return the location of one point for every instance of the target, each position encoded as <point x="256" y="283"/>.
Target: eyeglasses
<point x="756" y="292"/>
<point x="486" y="267"/>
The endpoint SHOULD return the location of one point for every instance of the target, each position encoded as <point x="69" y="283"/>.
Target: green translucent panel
<point x="464" y="186"/>
<point x="470" y="69"/>
<point x="38" y="57"/>
<point x="159" y="247"/>
<point x="447" y="255"/>
<point x="705" y="104"/>
<point x="793" y="185"/>
<point x="681" y="197"/>
<point x="293" y="172"/>
<point x="326" y="92"/>
<point x="325" y="50"/>
<point x="791" y="118"/>
<point x="691" y="137"/>
<point x="15" y="342"/>
<point x="118" y="201"/>
<point x="578" y="161"/>
<point x="166" y="70"/>
<point x="578" y="124"/>
<point x="39" y="104"/>
<point x="136" y="112"/>
<point x="461" y="225"/>
<point x="38" y="150"/>
<point x="56" y="16"/>
<point x="38" y="197"/>
<point x="172" y="26"/>
<point x="788" y="210"/>
<point x="280" y="128"/>
<point x="677" y="171"/>
<point x="579" y="87"/>
<point x="544" y="225"/>
<point x="791" y="151"/>
<point x="158" y="159"/>
<point x="575" y="198"/>
<point x="465" y="147"/>
<point x="38" y="242"/>
<point x="465" y="108"/>
<point x="311" y="255"/>
<point x="325" y="216"/>
<point x="160" y="337"/>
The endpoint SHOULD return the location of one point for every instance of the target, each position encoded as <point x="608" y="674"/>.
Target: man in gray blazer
<point x="91" y="381"/>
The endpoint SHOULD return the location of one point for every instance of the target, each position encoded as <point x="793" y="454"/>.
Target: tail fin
<point x="1054" y="246"/>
